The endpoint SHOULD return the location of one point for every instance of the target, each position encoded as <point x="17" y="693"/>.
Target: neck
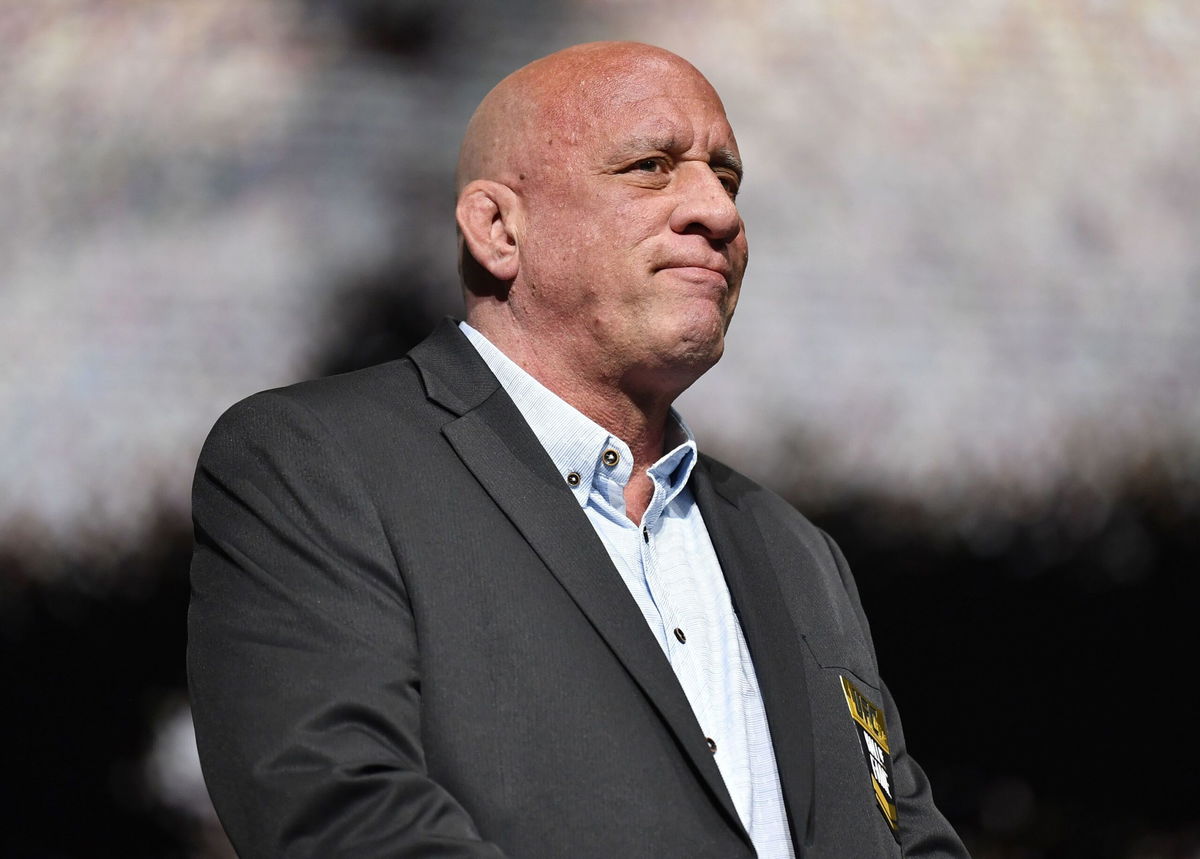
<point x="631" y="403"/>
<point x="637" y="417"/>
<point x="640" y="422"/>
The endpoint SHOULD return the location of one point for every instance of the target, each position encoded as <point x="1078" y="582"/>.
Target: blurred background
<point x="967" y="346"/>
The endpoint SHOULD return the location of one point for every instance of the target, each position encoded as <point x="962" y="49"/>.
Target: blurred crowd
<point x="966" y="346"/>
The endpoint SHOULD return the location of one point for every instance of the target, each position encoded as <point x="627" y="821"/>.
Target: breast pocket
<point x="855" y="793"/>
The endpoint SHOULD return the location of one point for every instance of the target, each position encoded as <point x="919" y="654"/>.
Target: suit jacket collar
<point x="454" y="375"/>
<point x="494" y="442"/>
<point x="752" y="573"/>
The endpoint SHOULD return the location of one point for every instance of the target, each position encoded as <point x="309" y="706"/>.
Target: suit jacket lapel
<point x="770" y="633"/>
<point x="496" y="444"/>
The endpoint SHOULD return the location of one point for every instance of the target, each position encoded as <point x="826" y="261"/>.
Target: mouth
<point x="700" y="272"/>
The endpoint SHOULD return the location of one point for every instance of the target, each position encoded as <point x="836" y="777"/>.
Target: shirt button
<point x="645" y="533"/>
<point x="573" y="478"/>
<point x="712" y="744"/>
<point x="610" y="457"/>
<point x="679" y="634"/>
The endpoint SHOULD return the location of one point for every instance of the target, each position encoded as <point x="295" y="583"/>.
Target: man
<point x="488" y="600"/>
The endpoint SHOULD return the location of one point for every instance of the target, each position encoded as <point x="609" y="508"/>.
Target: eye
<point x="730" y="182"/>
<point x="648" y="165"/>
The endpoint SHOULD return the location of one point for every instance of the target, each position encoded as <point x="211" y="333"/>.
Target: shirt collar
<point x="582" y="450"/>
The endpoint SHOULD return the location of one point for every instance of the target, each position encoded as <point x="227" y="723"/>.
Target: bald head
<point x="550" y="100"/>
<point x="602" y="247"/>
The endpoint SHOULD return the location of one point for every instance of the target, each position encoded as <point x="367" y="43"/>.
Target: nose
<point x="705" y="206"/>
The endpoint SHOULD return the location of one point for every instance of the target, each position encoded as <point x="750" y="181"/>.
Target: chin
<point x="703" y="333"/>
<point x="669" y="368"/>
<point x="699" y="350"/>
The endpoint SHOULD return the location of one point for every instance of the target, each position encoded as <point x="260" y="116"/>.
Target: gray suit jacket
<point x="405" y="639"/>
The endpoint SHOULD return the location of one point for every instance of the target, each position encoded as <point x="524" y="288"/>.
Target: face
<point x="632" y="248"/>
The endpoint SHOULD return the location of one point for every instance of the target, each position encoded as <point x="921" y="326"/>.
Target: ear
<point x="488" y="215"/>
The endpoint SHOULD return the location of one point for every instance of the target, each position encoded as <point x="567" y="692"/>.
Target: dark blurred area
<point x="87" y="675"/>
<point x="1041" y="651"/>
<point x="1047" y="684"/>
<point x="1043" y="683"/>
<point x="1046" y="677"/>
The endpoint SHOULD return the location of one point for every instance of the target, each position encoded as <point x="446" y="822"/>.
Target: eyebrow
<point x="721" y="157"/>
<point x="726" y="157"/>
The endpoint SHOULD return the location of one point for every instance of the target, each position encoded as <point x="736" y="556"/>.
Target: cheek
<point x="731" y="301"/>
<point x="739" y="254"/>
<point x="631" y="223"/>
<point x="553" y="239"/>
<point x="569" y="232"/>
<point x="585" y="239"/>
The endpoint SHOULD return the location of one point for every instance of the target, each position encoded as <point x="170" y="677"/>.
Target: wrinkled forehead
<point x="656" y="98"/>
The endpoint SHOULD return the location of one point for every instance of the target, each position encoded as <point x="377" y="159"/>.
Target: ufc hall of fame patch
<point x="872" y="734"/>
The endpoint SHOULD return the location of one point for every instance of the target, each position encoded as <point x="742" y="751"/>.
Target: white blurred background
<point x="974" y="287"/>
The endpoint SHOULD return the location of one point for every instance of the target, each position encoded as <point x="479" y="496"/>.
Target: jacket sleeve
<point x="302" y="653"/>
<point x="924" y="831"/>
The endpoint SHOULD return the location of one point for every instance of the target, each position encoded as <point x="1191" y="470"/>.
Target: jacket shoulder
<point x="345" y="405"/>
<point x="764" y="503"/>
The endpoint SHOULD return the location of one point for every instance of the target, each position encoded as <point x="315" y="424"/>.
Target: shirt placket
<point x="681" y="650"/>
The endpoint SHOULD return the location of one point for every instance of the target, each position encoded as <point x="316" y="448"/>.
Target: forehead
<point x="663" y="104"/>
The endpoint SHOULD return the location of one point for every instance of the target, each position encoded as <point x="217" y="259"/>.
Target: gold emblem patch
<point x="872" y="733"/>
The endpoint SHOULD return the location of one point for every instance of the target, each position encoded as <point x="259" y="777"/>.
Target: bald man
<point x="489" y="600"/>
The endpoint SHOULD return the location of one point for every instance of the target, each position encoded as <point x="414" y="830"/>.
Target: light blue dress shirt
<point x="669" y="565"/>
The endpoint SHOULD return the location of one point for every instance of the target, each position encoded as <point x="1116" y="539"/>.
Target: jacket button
<point x="712" y="744"/>
<point x="679" y="634"/>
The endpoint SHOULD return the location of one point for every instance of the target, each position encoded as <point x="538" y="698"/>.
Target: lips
<point x="700" y="268"/>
